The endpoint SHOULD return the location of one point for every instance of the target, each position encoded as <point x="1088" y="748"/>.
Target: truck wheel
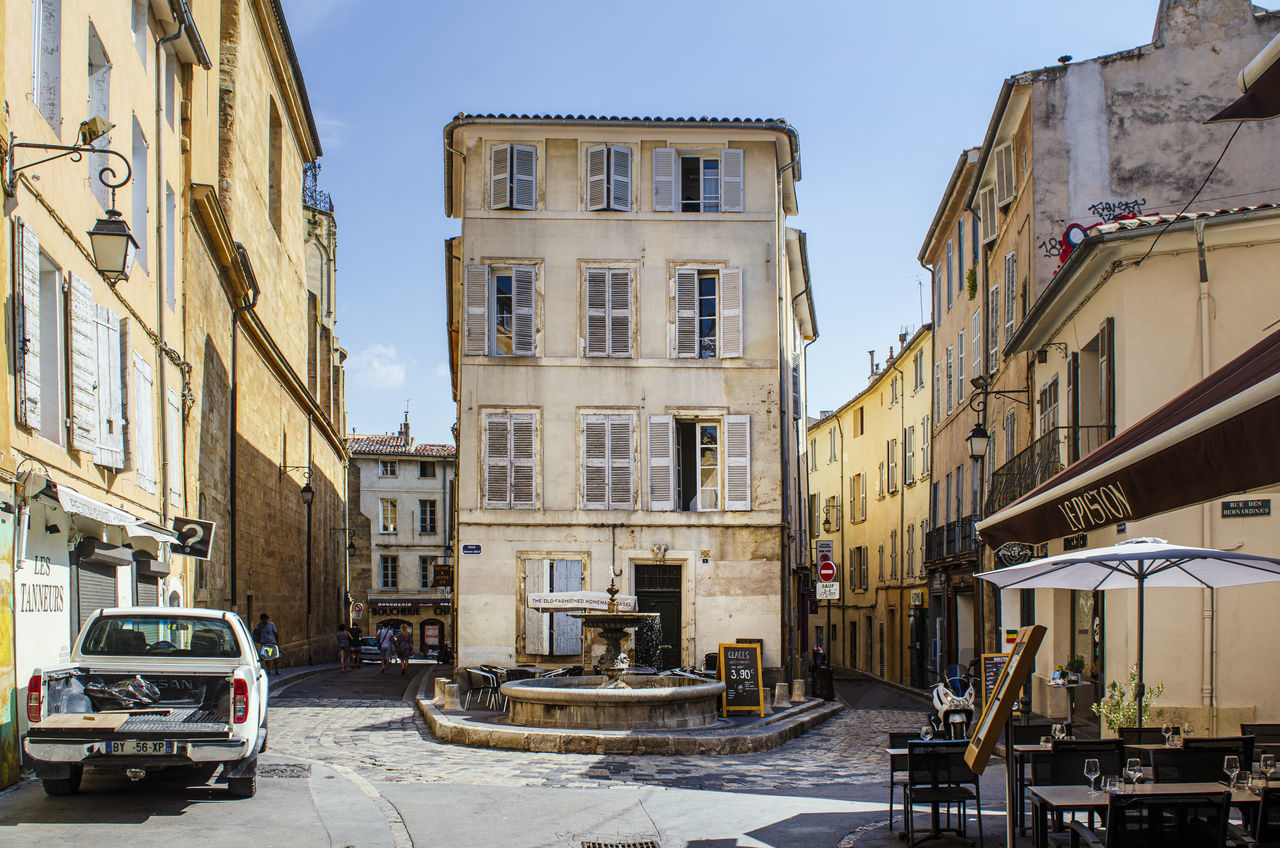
<point x="243" y="787"/>
<point x="58" y="786"/>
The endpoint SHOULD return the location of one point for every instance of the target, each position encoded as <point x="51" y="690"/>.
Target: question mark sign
<point x="190" y="535"/>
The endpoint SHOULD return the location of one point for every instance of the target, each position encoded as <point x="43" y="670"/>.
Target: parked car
<point x="369" y="650"/>
<point x="150" y="688"/>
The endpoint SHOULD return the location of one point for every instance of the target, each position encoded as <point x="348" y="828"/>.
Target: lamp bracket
<point x="978" y="400"/>
<point x="305" y="469"/>
<point x="106" y="174"/>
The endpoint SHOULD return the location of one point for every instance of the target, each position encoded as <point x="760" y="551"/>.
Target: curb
<point x="283" y="683"/>
<point x="922" y="695"/>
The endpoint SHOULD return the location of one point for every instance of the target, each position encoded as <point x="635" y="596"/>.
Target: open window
<point x="708" y="313"/>
<point x="500" y="310"/>
<point x="694" y="181"/>
<point x="700" y="464"/>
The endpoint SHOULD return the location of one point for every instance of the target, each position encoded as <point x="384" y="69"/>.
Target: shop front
<point x="427" y="618"/>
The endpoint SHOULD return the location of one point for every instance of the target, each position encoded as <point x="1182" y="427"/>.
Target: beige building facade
<point x="628" y="313"/>
<point x="869" y="476"/>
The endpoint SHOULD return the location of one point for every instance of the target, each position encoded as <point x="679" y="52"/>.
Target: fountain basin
<point x="650" y="703"/>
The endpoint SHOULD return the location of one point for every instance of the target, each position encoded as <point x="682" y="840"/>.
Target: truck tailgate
<point x="184" y="723"/>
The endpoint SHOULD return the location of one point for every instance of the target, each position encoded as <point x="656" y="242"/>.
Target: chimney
<point x="890" y="359"/>
<point x="404" y="431"/>
<point x="902" y="340"/>
<point x="874" y="369"/>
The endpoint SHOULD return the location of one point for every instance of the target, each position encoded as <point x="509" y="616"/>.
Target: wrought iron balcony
<point x="1041" y="460"/>
<point x="954" y="537"/>
<point x="312" y="196"/>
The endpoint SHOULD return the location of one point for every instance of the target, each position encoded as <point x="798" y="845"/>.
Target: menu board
<point x="992" y="665"/>
<point x="995" y="715"/>
<point x="740" y="670"/>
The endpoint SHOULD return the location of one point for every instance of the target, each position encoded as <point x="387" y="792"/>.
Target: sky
<point x="884" y="96"/>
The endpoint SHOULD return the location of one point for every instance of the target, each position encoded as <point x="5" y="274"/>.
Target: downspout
<point x="248" y="303"/>
<point x="902" y="510"/>
<point x="844" y="607"/>
<point x="1209" y="664"/>
<point x="787" y="656"/>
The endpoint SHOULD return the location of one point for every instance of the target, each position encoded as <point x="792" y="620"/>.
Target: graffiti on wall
<point x="1108" y="211"/>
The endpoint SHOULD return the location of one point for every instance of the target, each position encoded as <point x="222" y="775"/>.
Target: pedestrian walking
<point x="386" y="645"/>
<point x="355" y="632"/>
<point x="266" y="634"/>
<point x="344" y="647"/>
<point x="404" y="647"/>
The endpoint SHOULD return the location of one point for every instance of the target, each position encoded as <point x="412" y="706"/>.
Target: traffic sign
<point x="357" y="607"/>
<point x="828" y="591"/>
<point x="826" y="569"/>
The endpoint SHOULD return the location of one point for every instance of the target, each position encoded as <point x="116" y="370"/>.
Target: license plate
<point x="140" y="746"/>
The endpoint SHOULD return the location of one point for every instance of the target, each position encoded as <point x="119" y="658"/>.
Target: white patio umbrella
<point x="1137" y="564"/>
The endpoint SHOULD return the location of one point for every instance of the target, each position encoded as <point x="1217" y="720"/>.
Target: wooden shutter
<point x="524" y="176"/>
<point x="1004" y="174"/>
<point x="620" y="462"/>
<point x="686" y="335"/>
<point x="173" y="446"/>
<point x="477" y="306"/>
<point x="144" y="424"/>
<point x="987" y="213"/>
<point x="595" y="462"/>
<point x="84" y="367"/>
<point x="500" y="176"/>
<point x="662" y="479"/>
<point x="597" y="177"/>
<point x="118" y="336"/>
<point x="730" y="313"/>
<point x="566" y="631"/>
<point x="522" y="277"/>
<point x="796" y="404"/>
<point x="537" y="578"/>
<point x="110" y="388"/>
<point x="524" y="490"/>
<point x="497" y="462"/>
<point x="664" y="179"/>
<point x="737" y="462"/>
<point x="731" y="180"/>
<point x="620" y="178"/>
<point x="1107" y="373"/>
<point x="27" y="284"/>
<point x="619" y="312"/>
<point x="597" y="312"/>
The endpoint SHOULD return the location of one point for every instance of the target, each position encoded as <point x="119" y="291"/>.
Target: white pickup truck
<point x="150" y="688"/>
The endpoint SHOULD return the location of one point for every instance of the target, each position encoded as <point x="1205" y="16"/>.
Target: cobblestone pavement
<point x="384" y="739"/>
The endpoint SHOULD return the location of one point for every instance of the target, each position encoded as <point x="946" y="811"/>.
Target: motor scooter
<point x="953" y="704"/>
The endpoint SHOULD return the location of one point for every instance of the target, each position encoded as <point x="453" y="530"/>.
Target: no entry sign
<point x="826" y="570"/>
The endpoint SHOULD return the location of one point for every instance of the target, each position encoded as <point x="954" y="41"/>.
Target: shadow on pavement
<point x="107" y="798"/>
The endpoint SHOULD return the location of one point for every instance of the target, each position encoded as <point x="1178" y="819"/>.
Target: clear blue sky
<point x="884" y="96"/>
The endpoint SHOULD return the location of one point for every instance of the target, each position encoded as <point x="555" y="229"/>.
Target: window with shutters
<point x="960" y="380"/>
<point x="426" y="572"/>
<point x="832" y="446"/>
<point x="608" y="314"/>
<point x="426" y="469"/>
<point x="911" y="550"/>
<point x="1010" y="292"/>
<point x="987" y="213"/>
<point x="609" y="181"/>
<point x="387" y="509"/>
<point x="950" y="282"/>
<point x="893" y="465"/>
<point x="925" y="439"/>
<point x="975" y="339"/>
<point x="708" y="313"/>
<point x="698" y="181"/>
<point x="880" y="558"/>
<point x="513" y="176"/>
<point x="893" y="392"/>
<point x="1049" y="406"/>
<point x="390" y="567"/>
<point x="500" y="310"/>
<point x="993" y="330"/>
<point x="880" y="487"/>
<point x="427" y="517"/>
<point x="511" y="442"/>
<point x="1005" y="174"/>
<point x="937" y="390"/>
<point x="144" y="445"/>
<point x="909" y="470"/>
<point x="918" y="361"/>
<point x="173" y="447"/>
<point x="797" y="405"/>
<point x="43" y="376"/>
<point x="99" y="79"/>
<point x="858" y="498"/>
<point x="558" y="633"/>
<point x="46" y="60"/>
<point x="699" y="464"/>
<point x="950" y="366"/>
<point x="1010" y="434"/>
<point x="387" y="468"/>
<point x="608" y="466"/>
<point x="893" y="554"/>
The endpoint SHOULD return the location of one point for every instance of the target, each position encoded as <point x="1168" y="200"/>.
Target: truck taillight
<point x="239" y="701"/>
<point x="34" y="706"/>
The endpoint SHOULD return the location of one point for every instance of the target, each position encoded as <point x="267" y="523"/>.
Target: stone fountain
<point x="613" y="625"/>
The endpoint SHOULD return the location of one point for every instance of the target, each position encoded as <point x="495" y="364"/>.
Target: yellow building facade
<point x="868" y="497"/>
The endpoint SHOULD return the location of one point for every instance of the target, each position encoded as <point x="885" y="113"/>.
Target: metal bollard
<point x="451" y="697"/>
<point x="781" y="697"/>
<point x="797" y="691"/>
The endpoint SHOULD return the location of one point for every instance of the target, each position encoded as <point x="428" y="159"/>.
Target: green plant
<point x="1119" y="708"/>
<point x="1075" y="665"/>
<point x="971" y="280"/>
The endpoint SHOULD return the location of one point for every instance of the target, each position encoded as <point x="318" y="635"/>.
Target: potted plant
<point x="1119" y="708"/>
<point x="1075" y="666"/>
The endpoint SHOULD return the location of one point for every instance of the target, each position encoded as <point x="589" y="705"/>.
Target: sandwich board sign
<point x="740" y="670"/>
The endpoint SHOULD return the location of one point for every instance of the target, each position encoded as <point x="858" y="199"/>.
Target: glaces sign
<point x="1097" y="507"/>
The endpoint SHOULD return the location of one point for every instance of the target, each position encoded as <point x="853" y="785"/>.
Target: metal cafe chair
<point x="937" y="774"/>
<point x="899" y="739"/>
<point x="1063" y="763"/>
<point x="1181" y="820"/>
<point x="482" y="684"/>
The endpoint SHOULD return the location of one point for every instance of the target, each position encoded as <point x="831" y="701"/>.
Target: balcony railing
<point x="1042" y="459"/>
<point x="954" y="537"/>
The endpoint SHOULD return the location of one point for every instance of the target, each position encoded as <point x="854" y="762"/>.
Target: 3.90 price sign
<point x="741" y="673"/>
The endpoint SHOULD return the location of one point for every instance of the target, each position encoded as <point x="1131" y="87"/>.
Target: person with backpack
<point x="386" y="645"/>
<point x="265" y="633"/>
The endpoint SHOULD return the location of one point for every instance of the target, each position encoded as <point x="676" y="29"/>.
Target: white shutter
<point x="619" y="312"/>
<point x="975" y="341"/>
<point x="84" y="367"/>
<point x="477" y="306"/>
<point x="524" y="489"/>
<point x="537" y="578"/>
<point x="731" y="182"/>
<point x="730" y="313"/>
<point x="737" y="462"/>
<point x="500" y="176"/>
<point x="987" y="213"/>
<point x="686" y="313"/>
<point x="620" y="178"/>
<point x="524" y="176"/>
<point x="597" y="177"/>
<point x="960" y="373"/>
<point x="28" y="347"/>
<point x="566" y="576"/>
<point x="662" y="478"/>
<point x="497" y="462"/>
<point x="796" y="407"/>
<point x="173" y="446"/>
<point x="620" y="462"/>
<point x="109" y="389"/>
<point x="144" y="444"/>
<point x="597" y="312"/>
<point x="595" y="462"/>
<point x="522" y="277"/>
<point x="117" y="331"/>
<point x="664" y="179"/>
<point x="1004" y="174"/>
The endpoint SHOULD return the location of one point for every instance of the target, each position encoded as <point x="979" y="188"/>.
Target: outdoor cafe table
<point x="1051" y="799"/>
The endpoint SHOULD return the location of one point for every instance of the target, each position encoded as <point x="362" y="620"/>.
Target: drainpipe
<point x="248" y="303"/>
<point x="1209" y="663"/>
<point x="902" y="509"/>
<point x="787" y="656"/>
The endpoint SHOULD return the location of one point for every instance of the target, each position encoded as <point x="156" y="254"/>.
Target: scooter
<point x="953" y="700"/>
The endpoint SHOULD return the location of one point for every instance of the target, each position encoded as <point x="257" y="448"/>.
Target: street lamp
<point x="308" y="495"/>
<point x="113" y="247"/>
<point x="978" y="440"/>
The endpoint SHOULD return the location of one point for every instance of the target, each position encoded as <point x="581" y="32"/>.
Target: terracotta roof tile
<point x="1153" y="220"/>
<point x="391" y="444"/>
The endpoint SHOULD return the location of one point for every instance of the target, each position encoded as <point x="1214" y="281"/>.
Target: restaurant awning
<point x="76" y="503"/>
<point x="1217" y="438"/>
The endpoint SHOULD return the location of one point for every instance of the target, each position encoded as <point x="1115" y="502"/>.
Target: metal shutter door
<point x="97" y="589"/>
<point x="148" y="591"/>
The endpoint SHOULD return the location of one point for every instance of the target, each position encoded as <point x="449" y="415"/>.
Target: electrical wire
<point x="1208" y="177"/>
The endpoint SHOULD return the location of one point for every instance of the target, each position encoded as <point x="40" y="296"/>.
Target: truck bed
<point x="181" y="723"/>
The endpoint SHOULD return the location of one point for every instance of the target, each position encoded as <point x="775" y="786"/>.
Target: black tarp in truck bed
<point x="182" y="723"/>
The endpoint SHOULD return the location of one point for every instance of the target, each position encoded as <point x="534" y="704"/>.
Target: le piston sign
<point x="195" y="537"/>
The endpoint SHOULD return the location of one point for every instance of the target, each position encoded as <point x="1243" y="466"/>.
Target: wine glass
<point x="1133" y="770"/>
<point x="1091" y="771"/>
<point x="926" y="732"/>
<point x="1231" y="765"/>
<point x="1268" y="764"/>
<point x="1187" y="729"/>
<point x="1167" y="730"/>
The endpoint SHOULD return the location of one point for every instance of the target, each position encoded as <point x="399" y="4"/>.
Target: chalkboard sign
<point x="740" y="670"/>
<point x="992" y="665"/>
<point x="995" y="715"/>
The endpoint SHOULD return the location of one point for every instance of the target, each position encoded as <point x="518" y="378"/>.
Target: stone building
<point x="869" y="483"/>
<point x="627" y="315"/>
<point x="402" y="497"/>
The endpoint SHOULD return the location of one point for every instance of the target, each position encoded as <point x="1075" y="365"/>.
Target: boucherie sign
<point x="1096" y="507"/>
